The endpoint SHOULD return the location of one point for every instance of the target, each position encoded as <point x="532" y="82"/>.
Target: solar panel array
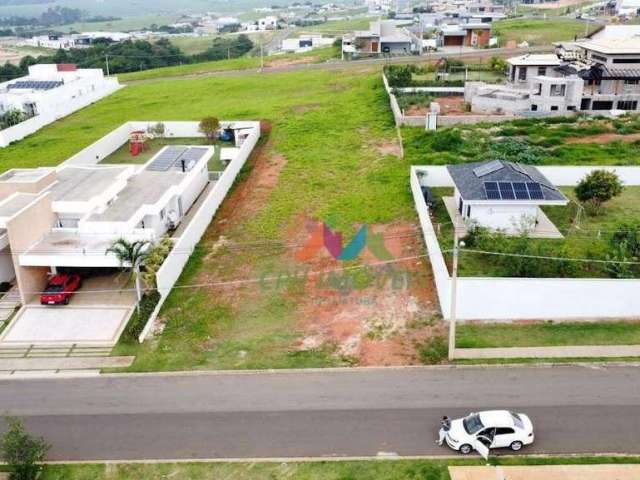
<point x="173" y="156"/>
<point x="166" y="159"/>
<point x="513" y="191"/>
<point x="488" y="168"/>
<point x="35" y="85"/>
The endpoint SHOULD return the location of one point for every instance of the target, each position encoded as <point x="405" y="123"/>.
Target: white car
<point x="493" y="429"/>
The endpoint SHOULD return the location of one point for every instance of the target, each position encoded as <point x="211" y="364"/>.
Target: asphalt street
<point x="317" y="414"/>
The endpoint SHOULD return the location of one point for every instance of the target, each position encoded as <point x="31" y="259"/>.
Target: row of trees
<point x="53" y="16"/>
<point x="132" y="55"/>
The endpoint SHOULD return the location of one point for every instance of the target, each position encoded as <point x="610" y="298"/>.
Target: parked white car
<point x="492" y="429"/>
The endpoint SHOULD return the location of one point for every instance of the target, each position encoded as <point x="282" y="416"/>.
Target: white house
<point x="268" y="23"/>
<point x="597" y="76"/>
<point x="305" y="43"/>
<point x="50" y="92"/>
<point x="501" y="195"/>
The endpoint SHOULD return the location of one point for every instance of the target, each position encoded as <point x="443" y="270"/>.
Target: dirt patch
<point x="605" y="138"/>
<point x="389" y="148"/>
<point x="452" y="105"/>
<point x="309" y="107"/>
<point x="286" y="62"/>
<point x="374" y="321"/>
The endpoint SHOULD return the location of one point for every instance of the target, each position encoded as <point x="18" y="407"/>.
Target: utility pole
<point x="261" y="55"/>
<point x="106" y="59"/>
<point x="454" y="297"/>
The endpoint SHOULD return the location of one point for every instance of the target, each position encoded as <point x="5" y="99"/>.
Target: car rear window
<point x="517" y="420"/>
<point x="54" y="288"/>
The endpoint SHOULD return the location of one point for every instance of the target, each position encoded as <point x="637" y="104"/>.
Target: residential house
<point x="268" y="23"/>
<point x="503" y="196"/>
<point x="305" y="43"/>
<point x="383" y="37"/>
<point x="50" y="92"/>
<point x="599" y="76"/>
<point x="464" y="35"/>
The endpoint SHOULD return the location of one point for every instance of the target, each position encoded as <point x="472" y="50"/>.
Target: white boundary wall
<point x="22" y="129"/>
<point x="173" y="265"/>
<point x="482" y="298"/>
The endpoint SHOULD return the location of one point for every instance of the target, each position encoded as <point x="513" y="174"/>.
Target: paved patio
<point x="547" y="472"/>
<point x="544" y="229"/>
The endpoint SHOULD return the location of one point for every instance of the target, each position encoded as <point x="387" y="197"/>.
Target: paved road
<point x="333" y="413"/>
<point x="358" y="64"/>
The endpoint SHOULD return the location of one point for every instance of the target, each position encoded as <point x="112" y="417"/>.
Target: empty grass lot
<point x="539" y="31"/>
<point x="548" y="334"/>
<point x="361" y="470"/>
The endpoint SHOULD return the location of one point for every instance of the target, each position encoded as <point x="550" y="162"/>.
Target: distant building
<point x="77" y="40"/>
<point x="268" y="23"/>
<point x="305" y="43"/>
<point x="599" y="76"/>
<point x="50" y="92"/>
<point x="383" y="37"/>
<point x="464" y="35"/>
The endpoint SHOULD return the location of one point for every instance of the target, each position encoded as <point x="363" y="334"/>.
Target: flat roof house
<point x="464" y="35"/>
<point x="48" y="93"/>
<point x="383" y="37"/>
<point x="68" y="217"/>
<point x="504" y="196"/>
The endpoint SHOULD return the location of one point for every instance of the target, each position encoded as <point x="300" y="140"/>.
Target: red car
<point x="59" y="289"/>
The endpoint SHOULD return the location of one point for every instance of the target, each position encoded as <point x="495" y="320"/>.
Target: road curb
<point x="330" y="370"/>
<point x="380" y="457"/>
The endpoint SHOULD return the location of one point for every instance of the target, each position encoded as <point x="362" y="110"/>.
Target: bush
<point x="155" y="259"/>
<point x="434" y="350"/>
<point x="627" y="234"/>
<point x="596" y="188"/>
<point x="22" y="452"/>
<point x="516" y="150"/>
<point x="447" y="140"/>
<point x="140" y="316"/>
<point x="399" y="75"/>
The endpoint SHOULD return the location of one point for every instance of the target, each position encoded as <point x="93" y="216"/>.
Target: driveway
<point x="66" y="326"/>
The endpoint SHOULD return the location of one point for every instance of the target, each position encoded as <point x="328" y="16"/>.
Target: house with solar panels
<point x="50" y="92"/>
<point x="503" y="196"/>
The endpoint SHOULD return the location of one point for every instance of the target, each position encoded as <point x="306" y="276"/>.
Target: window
<point x="601" y="105"/>
<point x="538" y="89"/>
<point x="585" y="104"/>
<point x="599" y="58"/>
<point x="554" y="108"/>
<point x="472" y="423"/>
<point x="628" y="105"/>
<point x="571" y="108"/>
<point x="517" y="420"/>
<point x="558" y="90"/>
<point x="468" y="211"/>
<point x="594" y="82"/>
<point x="626" y="60"/>
<point x="542" y="70"/>
<point x="505" y="431"/>
<point x="522" y="73"/>
<point x="631" y="82"/>
<point x="534" y="108"/>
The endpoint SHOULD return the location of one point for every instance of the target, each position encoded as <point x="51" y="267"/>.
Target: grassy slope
<point x="538" y="31"/>
<point x="548" y="334"/>
<point x="371" y="470"/>
<point x="242" y="63"/>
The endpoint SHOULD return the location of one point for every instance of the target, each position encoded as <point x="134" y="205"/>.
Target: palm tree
<point x="132" y="255"/>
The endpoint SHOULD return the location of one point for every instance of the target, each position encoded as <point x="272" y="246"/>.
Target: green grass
<point x="590" y="241"/>
<point x="548" y="334"/>
<point x="324" y="151"/>
<point x="338" y="27"/>
<point x="538" y="31"/>
<point x="243" y="63"/>
<point x="193" y="45"/>
<point x="336" y="470"/>
<point x="122" y="154"/>
<point x="124" y="24"/>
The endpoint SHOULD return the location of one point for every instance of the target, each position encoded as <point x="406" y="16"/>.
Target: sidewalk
<point x="598" y="351"/>
<point x="547" y="472"/>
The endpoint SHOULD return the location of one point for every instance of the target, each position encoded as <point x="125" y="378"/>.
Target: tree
<point x="498" y="64"/>
<point x="210" y="126"/>
<point x="596" y="188"/>
<point x="132" y="255"/>
<point x="22" y="452"/>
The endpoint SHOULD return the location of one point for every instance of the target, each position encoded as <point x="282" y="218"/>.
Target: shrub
<point x="516" y="150"/>
<point x="498" y="64"/>
<point x="140" y="317"/>
<point x="155" y="259"/>
<point x="627" y="234"/>
<point x="596" y="188"/>
<point x="209" y="126"/>
<point x="433" y="350"/>
<point x="447" y="140"/>
<point x="22" y="452"/>
<point x="399" y="75"/>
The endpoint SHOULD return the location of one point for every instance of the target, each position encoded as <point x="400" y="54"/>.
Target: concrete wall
<point x="173" y="265"/>
<point x="21" y="130"/>
<point x="25" y="229"/>
<point x="527" y="298"/>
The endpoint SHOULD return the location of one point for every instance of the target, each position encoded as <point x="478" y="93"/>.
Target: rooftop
<point x="16" y="202"/>
<point x="499" y="180"/>
<point x="613" y="46"/>
<point x="535" y="59"/>
<point x="80" y="184"/>
<point x="24" y="175"/>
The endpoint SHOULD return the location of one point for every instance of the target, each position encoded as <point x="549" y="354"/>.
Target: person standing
<point x="445" y="426"/>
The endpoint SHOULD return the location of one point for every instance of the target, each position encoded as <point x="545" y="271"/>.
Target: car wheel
<point x="517" y="445"/>
<point x="465" y="449"/>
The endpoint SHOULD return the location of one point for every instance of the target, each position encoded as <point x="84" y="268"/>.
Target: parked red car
<point x="60" y="288"/>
